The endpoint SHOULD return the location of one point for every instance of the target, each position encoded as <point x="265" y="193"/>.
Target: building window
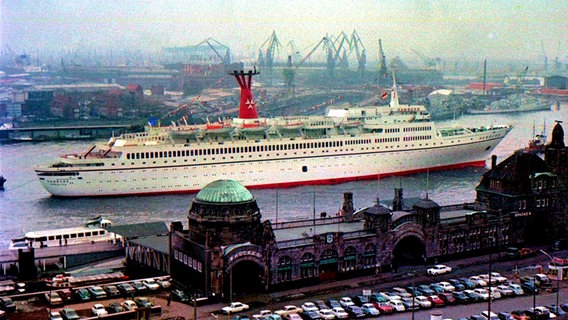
<point x="370" y="256"/>
<point x="349" y="259"/>
<point x="284" y="269"/>
<point x="307" y="269"/>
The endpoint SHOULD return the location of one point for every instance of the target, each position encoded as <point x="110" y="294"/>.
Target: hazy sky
<point x="448" y="28"/>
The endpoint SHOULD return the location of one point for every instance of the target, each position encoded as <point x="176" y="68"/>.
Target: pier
<point x="48" y="133"/>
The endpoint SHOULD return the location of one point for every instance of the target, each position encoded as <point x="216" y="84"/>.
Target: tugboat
<point x="2" y="180"/>
<point x="537" y="143"/>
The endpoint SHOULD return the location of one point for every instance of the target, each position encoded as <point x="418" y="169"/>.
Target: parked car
<point x="517" y="290"/>
<point x="538" y="313"/>
<point x="321" y="304"/>
<point x="482" y="292"/>
<point x="384" y="307"/>
<point x="129" y="305"/>
<point x="115" y="307"/>
<point x="423" y="302"/>
<point x="179" y="295"/>
<point x="436" y="301"/>
<point x="346" y="302"/>
<point x="448" y="298"/>
<point x="111" y="290"/>
<point x="425" y="289"/>
<point x="55" y="315"/>
<point x="467" y="283"/>
<point x="355" y="312"/>
<point x="485" y="277"/>
<point x="489" y="315"/>
<point x="360" y="300"/>
<point x="126" y="288"/>
<point x="143" y="302"/>
<point x="151" y="284"/>
<point x="82" y="294"/>
<point x="340" y="313"/>
<point x="53" y="298"/>
<point x="164" y="283"/>
<point x="288" y="309"/>
<point x="310" y="315"/>
<point x="7" y="304"/>
<point x="69" y="314"/>
<point x="505" y="316"/>
<point x="293" y="316"/>
<point x="505" y="290"/>
<point x="390" y="296"/>
<point x="327" y="314"/>
<point x="478" y="281"/>
<point x="473" y="296"/>
<point x="436" y="288"/>
<point x="495" y="293"/>
<point x="529" y="288"/>
<point x="376" y="297"/>
<point x="235" y="307"/>
<point x="332" y="303"/>
<point x="97" y="292"/>
<point x="438" y="269"/>
<point x="448" y="287"/>
<point x="461" y="297"/>
<point x="458" y="285"/>
<point x="410" y="304"/>
<point x="139" y="287"/>
<point x="370" y="310"/>
<point x="401" y="292"/>
<point x="98" y="310"/>
<point x="397" y="305"/>
<point x="498" y="277"/>
<point x="309" y="306"/>
<point x="262" y="314"/>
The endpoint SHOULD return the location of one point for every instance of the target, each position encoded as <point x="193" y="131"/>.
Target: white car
<point x="403" y="293"/>
<point x="495" y="293"/>
<point x="482" y="292"/>
<point x="498" y="277"/>
<point x="262" y="314"/>
<point x="235" y="307"/>
<point x="390" y="296"/>
<point x="99" y="310"/>
<point x="438" y="269"/>
<point x="517" y="290"/>
<point x="164" y="283"/>
<point x="53" y="315"/>
<point x="288" y="310"/>
<point x="129" y="305"/>
<point x="397" y="305"/>
<point x="309" y="306"/>
<point x="151" y="284"/>
<point x="327" y="314"/>
<point x="478" y="281"/>
<point x="340" y="313"/>
<point x="505" y="290"/>
<point x="448" y="287"/>
<point x="423" y="302"/>
<point x="346" y="302"/>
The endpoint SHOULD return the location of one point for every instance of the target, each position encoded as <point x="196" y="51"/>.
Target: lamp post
<point x="413" y="274"/>
<point x="557" y="279"/>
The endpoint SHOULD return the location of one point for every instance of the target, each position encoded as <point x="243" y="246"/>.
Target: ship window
<point x="58" y="237"/>
<point x="304" y="169"/>
<point x="81" y="235"/>
<point x="88" y="234"/>
<point x="66" y="236"/>
<point x="73" y="235"/>
<point x="51" y="238"/>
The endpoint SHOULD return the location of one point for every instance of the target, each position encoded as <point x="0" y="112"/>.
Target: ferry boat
<point x="348" y="143"/>
<point x="93" y="231"/>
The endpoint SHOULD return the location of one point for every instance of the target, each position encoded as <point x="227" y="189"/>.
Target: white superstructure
<point x="346" y="144"/>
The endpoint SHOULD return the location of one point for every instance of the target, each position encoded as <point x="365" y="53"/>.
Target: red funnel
<point x="247" y="107"/>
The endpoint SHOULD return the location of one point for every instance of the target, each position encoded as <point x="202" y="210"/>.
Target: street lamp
<point x="413" y="274"/>
<point x="557" y="279"/>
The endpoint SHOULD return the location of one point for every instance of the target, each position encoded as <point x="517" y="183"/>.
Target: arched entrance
<point x="410" y="250"/>
<point x="246" y="276"/>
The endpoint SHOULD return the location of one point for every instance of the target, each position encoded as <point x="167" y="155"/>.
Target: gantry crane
<point x="266" y="55"/>
<point x="289" y="71"/>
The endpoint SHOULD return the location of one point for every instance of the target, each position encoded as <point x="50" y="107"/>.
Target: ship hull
<point x="283" y="168"/>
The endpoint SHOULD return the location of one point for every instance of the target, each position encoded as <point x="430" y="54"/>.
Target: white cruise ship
<point x="345" y="144"/>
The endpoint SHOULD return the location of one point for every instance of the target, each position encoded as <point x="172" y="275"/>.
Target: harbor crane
<point x="215" y="45"/>
<point x="266" y="55"/>
<point x="360" y="50"/>
<point x="289" y="71"/>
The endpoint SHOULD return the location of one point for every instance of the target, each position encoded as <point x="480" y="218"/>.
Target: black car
<point x="7" y="304"/>
<point x="529" y="288"/>
<point x="69" y="314"/>
<point x="139" y="287"/>
<point x="355" y="312"/>
<point x="360" y="300"/>
<point x="115" y="307"/>
<point x="458" y="285"/>
<point x="461" y="297"/>
<point x="179" y="295"/>
<point x="126" y="288"/>
<point x="111" y="290"/>
<point x="408" y="305"/>
<point x="538" y="313"/>
<point x="321" y="304"/>
<point x="143" y="302"/>
<point x="82" y="295"/>
<point x="311" y="315"/>
<point x="332" y="303"/>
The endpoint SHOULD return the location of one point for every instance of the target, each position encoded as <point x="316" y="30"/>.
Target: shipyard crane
<point x="383" y="71"/>
<point x="214" y="45"/>
<point x="289" y="71"/>
<point x="266" y="56"/>
<point x="430" y="63"/>
<point x="336" y="51"/>
<point x="357" y="44"/>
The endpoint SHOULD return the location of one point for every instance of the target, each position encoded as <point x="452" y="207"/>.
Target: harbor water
<point x="26" y="206"/>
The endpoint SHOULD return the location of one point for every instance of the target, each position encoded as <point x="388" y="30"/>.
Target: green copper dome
<point x="224" y="191"/>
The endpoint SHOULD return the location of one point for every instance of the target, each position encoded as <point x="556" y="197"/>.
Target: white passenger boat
<point x="379" y="140"/>
<point x="93" y="231"/>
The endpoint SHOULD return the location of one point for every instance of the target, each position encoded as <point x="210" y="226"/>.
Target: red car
<point x="383" y="307"/>
<point x="436" y="301"/>
<point x="448" y="298"/>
